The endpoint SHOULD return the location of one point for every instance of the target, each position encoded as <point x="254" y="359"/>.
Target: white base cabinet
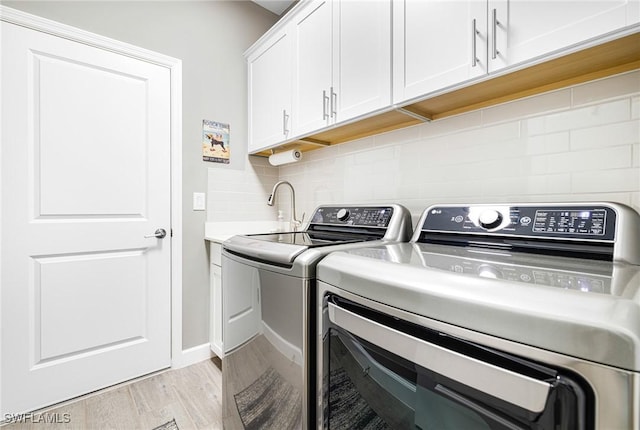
<point x="215" y="304"/>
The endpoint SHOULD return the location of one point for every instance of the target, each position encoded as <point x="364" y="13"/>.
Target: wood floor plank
<point x="191" y="395"/>
<point x="200" y="395"/>
<point x="153" y="393"/>
<point x="112" y="410"/>
<point x="155" y="418"/>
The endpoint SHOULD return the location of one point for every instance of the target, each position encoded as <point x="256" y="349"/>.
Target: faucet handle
<point x="298" y="223"/>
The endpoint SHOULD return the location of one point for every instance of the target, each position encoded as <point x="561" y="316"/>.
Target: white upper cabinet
<point x="312" y="66"/>
<point x="437" y="44"/>
<point x="521" y="30"/>
<point x="269" y="72"/>
<point x="330" y="63"/>
<point x="361" y="58"/>
<point x="440" y="43"/>
<point x="342" y="60"/>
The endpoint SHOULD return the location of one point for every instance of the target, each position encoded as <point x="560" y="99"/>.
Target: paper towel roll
<point x="285" y="157"/>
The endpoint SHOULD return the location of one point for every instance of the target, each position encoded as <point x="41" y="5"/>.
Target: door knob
<point x="158" y="234"/>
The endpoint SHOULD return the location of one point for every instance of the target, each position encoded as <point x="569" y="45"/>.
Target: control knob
<point x="490" y="219"/>
<point x="343" y="214"/>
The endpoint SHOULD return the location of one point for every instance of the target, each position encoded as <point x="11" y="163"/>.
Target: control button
<point x="343" y="214"/>
<point x="490" y="219"/>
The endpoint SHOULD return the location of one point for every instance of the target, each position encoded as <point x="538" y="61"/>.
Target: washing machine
<point x="269" y="290"/>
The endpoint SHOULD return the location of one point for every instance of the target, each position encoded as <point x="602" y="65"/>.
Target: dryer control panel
<point x="557" y="221"/>
<point x="597" y="230"/>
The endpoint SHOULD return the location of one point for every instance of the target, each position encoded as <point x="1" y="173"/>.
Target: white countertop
<point x="221" y="231"/>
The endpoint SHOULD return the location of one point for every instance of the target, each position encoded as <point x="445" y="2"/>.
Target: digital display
<point x="590" y="222"/>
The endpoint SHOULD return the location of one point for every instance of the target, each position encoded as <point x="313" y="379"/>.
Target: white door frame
<point x="9" y="15"/>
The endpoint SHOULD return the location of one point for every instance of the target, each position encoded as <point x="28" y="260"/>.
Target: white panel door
<point x="85" y="297"/>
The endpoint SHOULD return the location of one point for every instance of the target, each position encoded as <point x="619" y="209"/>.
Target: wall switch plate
<point x="199" y="201"/>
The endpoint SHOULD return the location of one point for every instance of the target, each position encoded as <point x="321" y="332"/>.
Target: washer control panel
<point x="554" y="221"/>
<point x="370" y="216"/>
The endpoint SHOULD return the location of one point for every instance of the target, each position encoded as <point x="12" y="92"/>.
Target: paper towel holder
<point x="285" y="157"/>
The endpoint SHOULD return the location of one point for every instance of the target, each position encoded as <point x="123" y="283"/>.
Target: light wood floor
<point x="192" y="396"/>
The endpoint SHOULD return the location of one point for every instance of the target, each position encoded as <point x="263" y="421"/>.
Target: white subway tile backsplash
<point x="549" y="102"/>
<point x="451" y="125"/>
<point x="548" y="184"/>
<point x="404" y="136"/>
<point x="374" y="156"/>
<point x="623" y="133"/>
<point x="590" y="116"/>
<point x="626" y="84"/>
<point x="547" y="143"/>
<point x="452" y="189"/>
<point x="603" y="181"/>
<point x="537" y="149"/>
<point x="590" y="160"/>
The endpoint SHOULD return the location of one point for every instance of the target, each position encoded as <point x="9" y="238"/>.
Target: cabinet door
<point x="269" y="74"/>
<point x="361" y="58"/>
<point x="435" y="45"/>
<point x="525" y="29"/>
<point x="215" y="314"/>
<point x="312" y="67"/>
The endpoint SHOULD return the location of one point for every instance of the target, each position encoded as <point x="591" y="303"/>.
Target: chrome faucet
<point x="296" y="223"/>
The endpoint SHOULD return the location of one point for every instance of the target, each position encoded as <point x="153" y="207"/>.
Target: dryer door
<point x="391" y="373"/>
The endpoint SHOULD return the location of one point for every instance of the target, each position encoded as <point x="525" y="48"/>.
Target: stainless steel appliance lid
<point x="600" y="326"/>
<point x="329" y="226"/>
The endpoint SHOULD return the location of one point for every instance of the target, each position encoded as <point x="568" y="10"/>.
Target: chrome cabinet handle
<point x="285" y="122"/>
<point x="494" y="44"/>
<point x="524" y="391"/>
<point x="334" y="99"/>
<point x="158" y="234"/>
<point x="325" y="102"/>
<point x="474" y="34"/>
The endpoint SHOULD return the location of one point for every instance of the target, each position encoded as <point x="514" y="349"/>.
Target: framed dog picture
<point x="215" y="141"/>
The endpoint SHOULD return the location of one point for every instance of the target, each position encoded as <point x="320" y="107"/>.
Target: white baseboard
<point x="193" y="355"/>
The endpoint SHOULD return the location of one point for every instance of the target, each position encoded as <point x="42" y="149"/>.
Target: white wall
<point x="210" y="38"/>
<point x="578" y="143"/>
